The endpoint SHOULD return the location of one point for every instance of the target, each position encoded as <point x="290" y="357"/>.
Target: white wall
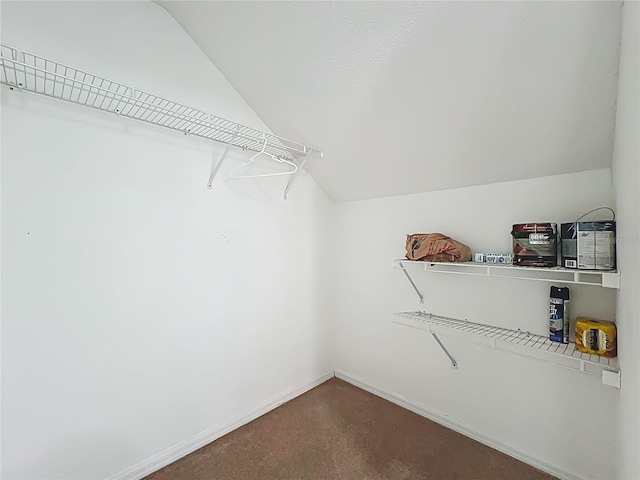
<point x="627" y="178"/>
<point x="564" y="419"/>
<point x="140" y="308"/>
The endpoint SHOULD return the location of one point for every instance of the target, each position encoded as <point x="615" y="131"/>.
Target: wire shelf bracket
<point x="413" y="284"/>
<point x="515" y="342"/>
<point x="21" y="70"/>
<point x="293" y="177"/>
<point x="454" y="364"/>
<point x="215" y="167"/>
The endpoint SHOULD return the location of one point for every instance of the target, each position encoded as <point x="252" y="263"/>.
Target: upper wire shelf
<point x="33" y="73"/>
<point x="606" y="279"/>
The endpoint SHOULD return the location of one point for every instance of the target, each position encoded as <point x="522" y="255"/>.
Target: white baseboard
<point x="171" y="454"/>
<point x="437" y="417"/>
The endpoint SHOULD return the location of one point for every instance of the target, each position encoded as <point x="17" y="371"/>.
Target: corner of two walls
<point x="626" y="173"/>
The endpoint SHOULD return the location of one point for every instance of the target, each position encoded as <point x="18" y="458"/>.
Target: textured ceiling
<point x="412" y="97"/>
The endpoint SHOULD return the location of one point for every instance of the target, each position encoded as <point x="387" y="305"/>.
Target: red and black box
<point x="535" y="244"/>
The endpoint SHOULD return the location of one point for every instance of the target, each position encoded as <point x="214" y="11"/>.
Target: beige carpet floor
<point x="338" y="431"/>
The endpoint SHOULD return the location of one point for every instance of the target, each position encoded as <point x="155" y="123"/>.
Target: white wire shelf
<point x="516" y="342"/>
<point x="606" y="279"/>
<point x="29" y="72"/>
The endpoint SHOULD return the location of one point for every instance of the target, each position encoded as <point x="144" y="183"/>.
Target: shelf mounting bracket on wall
<point x="215" y="167"/>
<point x="454" y="364"/>
<point x="293" y="177"/>
<point x="413" y="284"/>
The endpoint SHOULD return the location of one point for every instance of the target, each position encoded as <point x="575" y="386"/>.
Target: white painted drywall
<point x="626" y="174"/>
<point x="139" y="308"/>
<point x="562" y="418"/>
<point x="421" y="96"/>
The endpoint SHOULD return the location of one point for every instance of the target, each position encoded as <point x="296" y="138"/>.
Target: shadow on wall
<point x="263" y="190"/>
<point x="60" y="110"/>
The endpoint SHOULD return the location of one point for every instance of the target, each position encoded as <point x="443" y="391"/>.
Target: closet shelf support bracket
<point x="215" y="167"/>
<point x="293" y="177"/>
<point x="413" y="284"/>
<point x="454" y="364"/>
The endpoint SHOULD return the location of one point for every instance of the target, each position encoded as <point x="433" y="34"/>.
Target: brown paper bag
<point x="436" y="247"/>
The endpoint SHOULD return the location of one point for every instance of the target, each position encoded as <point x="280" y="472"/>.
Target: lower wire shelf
<point x="517" y="342"/>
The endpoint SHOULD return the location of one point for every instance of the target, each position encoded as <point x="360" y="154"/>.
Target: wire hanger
<point x="273" y="157"/>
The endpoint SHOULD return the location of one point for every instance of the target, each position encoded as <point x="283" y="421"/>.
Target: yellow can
<point x="595" y="336"/>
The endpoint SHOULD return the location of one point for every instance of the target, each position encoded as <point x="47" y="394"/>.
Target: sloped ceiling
<point x="412" y="97"/>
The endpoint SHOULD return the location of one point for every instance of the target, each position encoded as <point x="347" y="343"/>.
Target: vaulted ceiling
<point x="412" y="97"/>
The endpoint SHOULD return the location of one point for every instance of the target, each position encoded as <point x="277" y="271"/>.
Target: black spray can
<point x="559" y="314"/>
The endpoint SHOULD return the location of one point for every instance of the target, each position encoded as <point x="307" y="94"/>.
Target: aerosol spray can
<point x="559" y="314"/>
